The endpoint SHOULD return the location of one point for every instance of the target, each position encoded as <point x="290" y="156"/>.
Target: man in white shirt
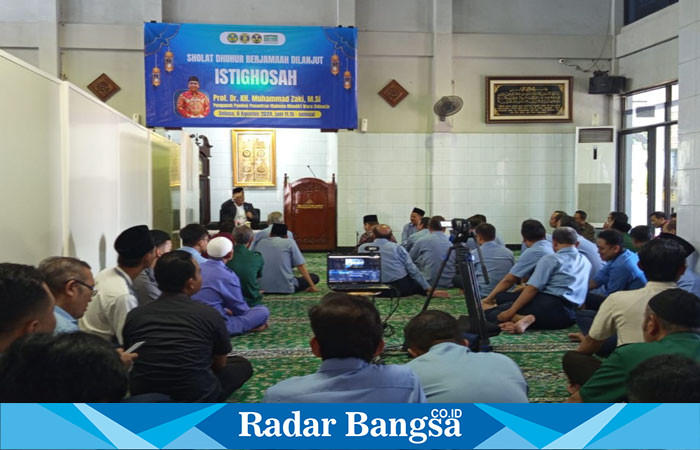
<point x="106" y="313"/>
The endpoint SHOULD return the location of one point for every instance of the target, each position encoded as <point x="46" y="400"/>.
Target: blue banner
<point x="250" y="76"/>
<point x="356" y="426"/>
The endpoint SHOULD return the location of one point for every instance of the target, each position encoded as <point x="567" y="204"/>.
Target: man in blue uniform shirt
<point x="556" y="289"/>
<point x="412" y="226"/>
<point x="194" y="239"/>
<point x="398" y="269"/>
<point x="497" y="258"/>
<point x="475" y="221"/>
<point x="450" y="373"/>
<point x="281" y="256"/>
<point x="272" y="218"/>
<point x="621" y="273"/>
<point x="585" y="247"/>
<point x="221" y="289"/>
<point x="418" y="235"/>
<point x="533" y="234"/>
<point x="347" y="336"/>
<point x="429" y="252"/>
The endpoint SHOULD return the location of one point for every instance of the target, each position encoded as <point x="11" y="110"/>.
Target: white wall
<point x="647" y="50"/>
<point x="559" y="17"/>
<point x="507" y="177"/>
<point x="295" y="149"/>
<point x="688" y="124"/>
<point x="380" y="173"/>
<point x="30" y="164"/>
<point x="75" y="172"/>
<point x="266" y="12"/>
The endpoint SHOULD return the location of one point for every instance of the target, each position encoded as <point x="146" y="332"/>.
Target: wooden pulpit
<point x="310" y="211"/>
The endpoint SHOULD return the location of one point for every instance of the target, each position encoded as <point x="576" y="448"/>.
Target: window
<point x="648" y="153"/>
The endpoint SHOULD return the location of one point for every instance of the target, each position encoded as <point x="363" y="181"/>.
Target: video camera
<point x="460" y="229"/>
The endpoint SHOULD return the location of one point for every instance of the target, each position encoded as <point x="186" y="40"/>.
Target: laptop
<point x="355" y="272"/>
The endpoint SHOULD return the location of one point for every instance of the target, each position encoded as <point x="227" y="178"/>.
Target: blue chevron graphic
<point x="668" y="426"/>
<point x="557" y="417"/>
<point x="162" y="435"/>
<point x="630" y="412"/>
<point x="505" y="439"/>
<point x="531" y="432"/>
<point x="194" y="438"/>
<point x="582" y="435"/>
<point x="29" y="426"/>
<point x="139" y="417"/>
<point x="72" y="414"/>
<point x="120" y="436"/>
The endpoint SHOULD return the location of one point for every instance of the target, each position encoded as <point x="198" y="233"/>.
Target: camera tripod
<point x="475" y="323"/>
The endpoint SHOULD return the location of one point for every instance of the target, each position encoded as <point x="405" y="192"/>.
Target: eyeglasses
<point x="92" y="288"/>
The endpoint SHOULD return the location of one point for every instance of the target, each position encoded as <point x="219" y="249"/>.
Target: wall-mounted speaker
<point x="606" y="85"/>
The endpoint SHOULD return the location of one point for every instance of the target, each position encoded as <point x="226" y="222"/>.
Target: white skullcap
<point x="219" y="247"/>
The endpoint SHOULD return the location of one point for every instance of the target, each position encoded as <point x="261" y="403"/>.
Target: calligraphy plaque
<point x="529" y="99"/>
<point x="253" y="157"/>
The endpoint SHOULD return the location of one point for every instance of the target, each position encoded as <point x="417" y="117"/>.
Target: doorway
<point x="648" y="153"/>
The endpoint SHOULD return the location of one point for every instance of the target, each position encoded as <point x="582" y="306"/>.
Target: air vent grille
<point x="595" y="135"/>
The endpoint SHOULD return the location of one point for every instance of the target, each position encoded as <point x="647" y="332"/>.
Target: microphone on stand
<point x="310" y="170"/>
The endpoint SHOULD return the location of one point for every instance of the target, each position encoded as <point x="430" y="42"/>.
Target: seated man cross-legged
<point x="115" y="297"/>
<point x="497" y="259"/>
<point x="347" y="336"/>
<point x="412" y="226"/>
<point x="281" y="256"/>
<point x="186" y="344"/>
<point x="621" y="272"/>
<point x="555" y="290"/>
<point x="587" y="248"/>
<point x="398" y="269"/>
<point x="422" y="232"/>
<point x="272" y="218"/>
<point x="450" y="373"/>
<point x="429" y="252"/>
<point x="221" y="289"/>
<point x="247" y="264"/>
<point x="534" y="238"/>
<point x="369" y="222"/>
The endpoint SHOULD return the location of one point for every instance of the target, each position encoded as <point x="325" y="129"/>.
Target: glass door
<point x="648" y="153"/>
<point x="636" y="157"/>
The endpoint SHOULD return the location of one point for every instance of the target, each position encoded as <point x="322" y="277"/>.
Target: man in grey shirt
<point x="497" y="258"/>
<point x="418" y="235"/>
<point x="450" y="373"/>
<point x="398" y="269"/>
<point x="145" y="286"/>
<point x="281" y="256"/>
<point x="430" y="251"/>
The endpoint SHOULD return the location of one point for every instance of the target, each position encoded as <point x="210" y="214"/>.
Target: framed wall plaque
<point x="529" y="99"/>
<point x="253" y="156"/>
<point x="393" y="93"/>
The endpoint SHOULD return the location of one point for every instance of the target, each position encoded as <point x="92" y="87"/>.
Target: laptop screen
<point x="354" y="269"/>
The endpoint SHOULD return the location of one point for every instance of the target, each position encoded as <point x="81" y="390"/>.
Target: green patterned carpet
<point x="282" y="351"/>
